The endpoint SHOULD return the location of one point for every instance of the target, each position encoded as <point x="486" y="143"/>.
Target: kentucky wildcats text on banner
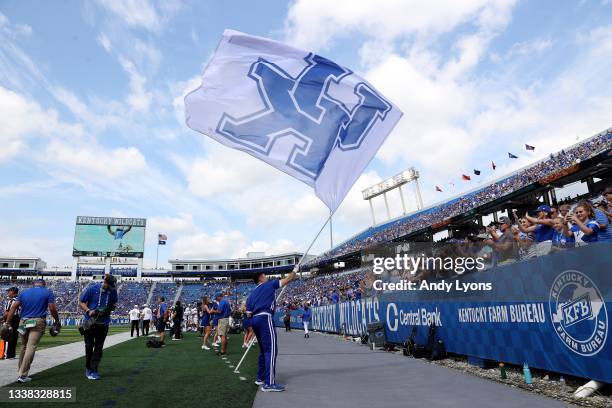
<point x="301" y="113"/>
<point x="552" y="312"/>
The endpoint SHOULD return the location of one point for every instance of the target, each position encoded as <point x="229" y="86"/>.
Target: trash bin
<point x="376" y="334"/>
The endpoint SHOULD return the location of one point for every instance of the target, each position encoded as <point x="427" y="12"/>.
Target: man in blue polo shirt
<point x="223" y="312"/>
<point x="260" y="305"/>
<point x="34" y="303"/>
<point x="97" y="301"/>
<point x="162" y="317"/>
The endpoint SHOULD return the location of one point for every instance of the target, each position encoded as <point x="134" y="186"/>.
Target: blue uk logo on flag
<point x="298" y="111"/>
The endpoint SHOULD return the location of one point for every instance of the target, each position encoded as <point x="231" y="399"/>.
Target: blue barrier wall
<point x="552" y="312"/>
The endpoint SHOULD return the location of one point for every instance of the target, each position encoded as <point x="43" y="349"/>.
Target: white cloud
<point x="135" y="13"/>
<point x="225" y="244"/>
<point x="104" y="41"/>
<point x="23" y="119"/>
<point x="121" y="162"/>
<point x="139" y="98"/>
<point x="179" y="90"/>
<point x="316" y="23"/>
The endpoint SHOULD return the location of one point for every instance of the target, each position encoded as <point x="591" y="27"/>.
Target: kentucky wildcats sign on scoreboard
<point x="551" y="312"/>
<point x="297" y="111"/>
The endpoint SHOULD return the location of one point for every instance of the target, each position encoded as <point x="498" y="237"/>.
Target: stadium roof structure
<point x="573" y="171"/>
<point x="228" y="260"/>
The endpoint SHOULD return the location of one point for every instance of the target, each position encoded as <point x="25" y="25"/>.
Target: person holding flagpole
<point x="260" y="309"/>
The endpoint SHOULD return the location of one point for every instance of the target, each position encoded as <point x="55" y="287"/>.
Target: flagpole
<point x="157" y="252"/>
<point x="331" y="232"/>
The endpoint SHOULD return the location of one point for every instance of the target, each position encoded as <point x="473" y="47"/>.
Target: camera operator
<point x="34" y="303"/>
<point x="501" y="241"/>
<point x="11" y="344"/>
<point x="97" y="301"/>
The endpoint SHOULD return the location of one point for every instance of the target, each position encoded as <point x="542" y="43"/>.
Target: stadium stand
<point x="324" y="290"/>
<point x="555" y="165"/>
<point x="132" y="293"/>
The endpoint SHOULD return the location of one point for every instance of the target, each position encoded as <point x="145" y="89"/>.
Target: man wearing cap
<point x="260" y="305"/>
<point x="223" y="311"/>
<point x="34" y="303"/>
<point x="97" y="301"/>
<point x="541" y="228"/>
<point x="11" y="344"/>
<point x="503" y="244"/>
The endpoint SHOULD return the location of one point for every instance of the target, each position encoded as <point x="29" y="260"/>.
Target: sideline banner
<point x="552" y="312"/>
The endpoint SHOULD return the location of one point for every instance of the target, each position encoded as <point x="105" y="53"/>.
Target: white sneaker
<point x="205" y="348"/>
<point x="215" y="344"/>
<point x="24" y="379"/>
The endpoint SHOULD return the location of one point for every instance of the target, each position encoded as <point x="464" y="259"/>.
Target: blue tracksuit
<point x="261" y="303"/>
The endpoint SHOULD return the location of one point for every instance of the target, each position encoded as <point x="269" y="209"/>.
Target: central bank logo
<point x="302" y="121"/>
<point x="578" y="313"/>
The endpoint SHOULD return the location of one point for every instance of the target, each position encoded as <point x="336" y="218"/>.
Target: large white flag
<point x="303" y="114"/>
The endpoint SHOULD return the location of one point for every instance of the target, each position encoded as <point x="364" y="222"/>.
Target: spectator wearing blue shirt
<point x="97" y="301"/>
<point x="162" y="318"/>
<point x="34" y="303"/>
<point x="306" y="316"/>
<point x="223" y="312"/>
<point x="260" y="305"/>
<point x="541" y="229"/>
<point x="563" y="238"/>
<point x="605" y="231"/>
<point x="584" y="227"/>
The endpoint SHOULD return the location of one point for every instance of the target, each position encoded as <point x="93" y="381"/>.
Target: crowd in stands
<point x="324" y="289"/>
<point x="132" y="293"/>
<point x="553" y="165"/>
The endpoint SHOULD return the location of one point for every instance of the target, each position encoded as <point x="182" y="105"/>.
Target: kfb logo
<point x="578" y="313"/>
<point x="303" y="109"/>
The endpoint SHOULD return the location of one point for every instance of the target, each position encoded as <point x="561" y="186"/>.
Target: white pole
<point x="418" y="194"/>
<point x="402" y="198"/>
<point x="372" y="210"/>
<point x="387" y="205"/>
<point x="331" y="232"/>
<point x="157" y="254"/>
<point x="244" y="355"/>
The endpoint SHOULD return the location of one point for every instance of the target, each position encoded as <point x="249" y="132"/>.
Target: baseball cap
<point x="13" y="289"/>
<point x="544" y="208"/>
<point x="219" y="294"/>
<point x="505" y="220"/>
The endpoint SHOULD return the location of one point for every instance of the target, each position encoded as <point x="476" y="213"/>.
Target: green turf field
<point x="68" y="335"/>
<point x="178" y="375"/>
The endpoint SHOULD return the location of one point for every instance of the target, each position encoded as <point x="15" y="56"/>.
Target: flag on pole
<point x="299" y="112"/>
<point x="477" y="172"/>
<point x="161" y="239"/>
<point x="466" y="178"/>
<point x="493" y="165"/>
<point x="511" y="156"/>
<point x="438" y="189"/>
<point x="529" y="147"/>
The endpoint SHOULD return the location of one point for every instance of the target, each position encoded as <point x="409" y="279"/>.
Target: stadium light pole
<point x="392" y="183"/>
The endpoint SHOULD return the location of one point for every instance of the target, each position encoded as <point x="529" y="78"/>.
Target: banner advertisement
<point x="551" y="312"/>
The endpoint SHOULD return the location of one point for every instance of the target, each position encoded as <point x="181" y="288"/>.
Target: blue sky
<point x="92" y="112"/>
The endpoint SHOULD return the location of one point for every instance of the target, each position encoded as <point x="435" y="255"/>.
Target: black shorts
<point x="160" y="326"/>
